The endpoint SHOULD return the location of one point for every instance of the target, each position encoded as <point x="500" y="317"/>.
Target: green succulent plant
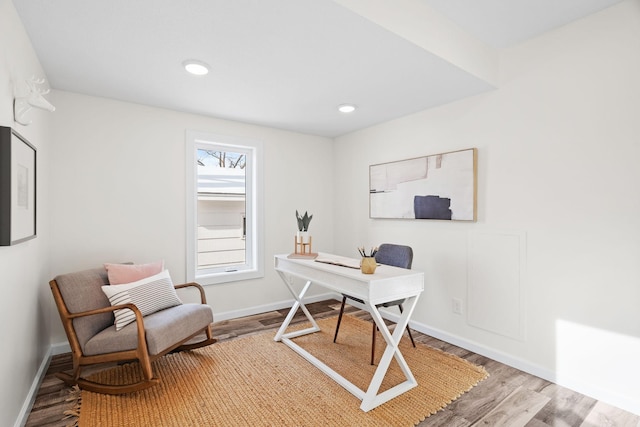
<point x="303" y="221"/>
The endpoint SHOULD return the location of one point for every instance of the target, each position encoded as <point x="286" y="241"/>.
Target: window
<point x="224" y="208"/>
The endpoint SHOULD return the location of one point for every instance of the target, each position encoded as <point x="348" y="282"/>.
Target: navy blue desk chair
<point x="388" y="254"/>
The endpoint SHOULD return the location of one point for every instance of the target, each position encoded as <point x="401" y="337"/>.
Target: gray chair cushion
<point x="163" y="330"/>
<point x="82" y="291"/>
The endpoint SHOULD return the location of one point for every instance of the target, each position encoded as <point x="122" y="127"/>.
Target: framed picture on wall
<point x="440" y="186"/>
<point x="17" y="188"/>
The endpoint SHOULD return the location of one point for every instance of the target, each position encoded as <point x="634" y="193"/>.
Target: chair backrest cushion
<point x="127" y="273"/>
<point x="82" y="291"/>
<point x="395" y="255"/>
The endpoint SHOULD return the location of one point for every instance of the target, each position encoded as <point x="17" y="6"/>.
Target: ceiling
<point x="287" y="64"/>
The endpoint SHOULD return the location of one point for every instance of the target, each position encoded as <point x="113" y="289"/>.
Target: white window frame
<point x="254" y="264"/>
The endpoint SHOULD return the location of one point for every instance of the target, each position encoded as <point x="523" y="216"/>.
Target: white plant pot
<point x="303" y="236"/>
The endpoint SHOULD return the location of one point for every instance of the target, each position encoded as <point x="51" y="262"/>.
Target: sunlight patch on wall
<point x="589" y="358"/>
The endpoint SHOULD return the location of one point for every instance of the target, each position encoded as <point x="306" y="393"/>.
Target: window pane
<point x="221" y="209"/>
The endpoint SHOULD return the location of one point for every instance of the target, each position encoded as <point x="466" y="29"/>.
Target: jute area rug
<point x="255" y="381"/>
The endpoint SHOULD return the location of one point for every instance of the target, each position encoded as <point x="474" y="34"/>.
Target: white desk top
<point x="386" y="284"/>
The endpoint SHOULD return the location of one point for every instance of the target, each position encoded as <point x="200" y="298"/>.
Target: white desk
<point x="386" y="284"/>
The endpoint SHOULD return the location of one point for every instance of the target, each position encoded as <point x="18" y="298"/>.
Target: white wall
<point x="558" y="230"/>
<point x="118" y="192"/>
<point x="25" y="309"/>
<point x="558" y="201"/>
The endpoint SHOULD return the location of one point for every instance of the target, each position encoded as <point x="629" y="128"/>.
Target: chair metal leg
<point x="373" y="342"/>
<point x="335" y="337"/>
<point x="373" y="334"/>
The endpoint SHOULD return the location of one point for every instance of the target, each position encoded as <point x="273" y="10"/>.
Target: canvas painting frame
<point x="17" y="188"/>
<point x="438" y="187"/>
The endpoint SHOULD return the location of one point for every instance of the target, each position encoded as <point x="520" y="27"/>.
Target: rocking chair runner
<point x="88" y="320"/>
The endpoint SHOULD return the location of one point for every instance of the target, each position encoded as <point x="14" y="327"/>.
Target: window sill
<point x="228" y="276"/>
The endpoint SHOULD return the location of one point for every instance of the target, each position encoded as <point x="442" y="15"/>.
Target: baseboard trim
<point x="60" y="348"/>
<point x="279" y="305"/>
<point x="23" y="415"/>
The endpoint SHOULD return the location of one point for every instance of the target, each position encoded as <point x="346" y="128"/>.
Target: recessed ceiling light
<point x="346" y="108"/>
<point x="197" y="68"/>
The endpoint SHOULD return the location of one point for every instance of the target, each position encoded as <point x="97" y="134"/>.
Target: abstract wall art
<point x="439" y="186"/>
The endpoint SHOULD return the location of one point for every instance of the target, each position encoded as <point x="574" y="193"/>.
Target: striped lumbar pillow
<point x="152" y="294"/>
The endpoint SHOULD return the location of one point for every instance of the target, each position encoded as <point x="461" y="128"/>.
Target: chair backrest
<point x="395" y="255"/>
<point x="81" y="291"/>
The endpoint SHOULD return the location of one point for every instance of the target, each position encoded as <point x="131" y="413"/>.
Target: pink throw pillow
<point x="125" y="273"/>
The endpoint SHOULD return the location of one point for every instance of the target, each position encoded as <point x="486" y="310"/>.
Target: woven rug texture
<point x="255" y="381"/>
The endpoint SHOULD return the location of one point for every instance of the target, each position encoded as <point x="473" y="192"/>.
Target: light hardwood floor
<point x="509" y="397"/>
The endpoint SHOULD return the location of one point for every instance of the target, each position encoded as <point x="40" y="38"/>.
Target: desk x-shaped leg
<point x="370" y="398"/>
<point x="298" y="304"/>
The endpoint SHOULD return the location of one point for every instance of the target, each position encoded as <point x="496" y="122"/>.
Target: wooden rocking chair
<point x="88" y="320"/>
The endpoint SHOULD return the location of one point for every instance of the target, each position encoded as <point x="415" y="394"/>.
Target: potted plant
<point x="303" y="226"/>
